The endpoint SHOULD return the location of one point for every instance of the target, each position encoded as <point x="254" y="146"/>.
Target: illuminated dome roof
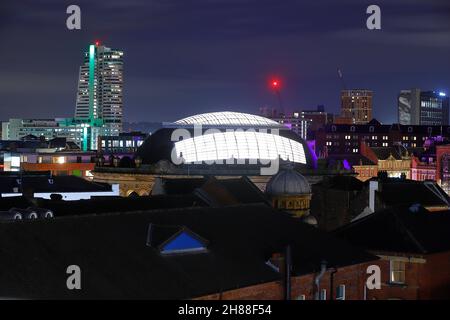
<point x="239" y="145"/>
<point x="228" y="118"/>
<point x="288" y="182"/>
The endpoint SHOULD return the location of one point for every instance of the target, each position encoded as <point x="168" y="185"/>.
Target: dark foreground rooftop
<point x="119" y="258"/>
<point x="401" y="229"/>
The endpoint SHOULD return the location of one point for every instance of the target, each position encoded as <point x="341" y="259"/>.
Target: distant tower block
<point x="100" y="88"/>
<point x="356" y="105"/>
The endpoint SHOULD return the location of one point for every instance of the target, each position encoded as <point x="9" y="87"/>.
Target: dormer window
<point x="352" y="128"/>
<point x="169" y="240"/>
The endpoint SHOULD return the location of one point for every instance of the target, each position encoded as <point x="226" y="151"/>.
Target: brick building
<point x="346" y="138"/>
<point x="414" y="249"/>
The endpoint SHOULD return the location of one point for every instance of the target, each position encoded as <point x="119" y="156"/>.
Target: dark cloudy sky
<point x="184" y="57"/>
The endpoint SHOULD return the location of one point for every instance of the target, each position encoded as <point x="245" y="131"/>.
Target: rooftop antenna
<point x="276" y="86"/>
<point x="341" y="76"/>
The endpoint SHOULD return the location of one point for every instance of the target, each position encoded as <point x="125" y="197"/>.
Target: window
<point x="397" y="272"/>
<point x="352" y="129"/>
<point x="340" y="292"/>
<point x="301" y="297"/>
<point x="323" y="294"/>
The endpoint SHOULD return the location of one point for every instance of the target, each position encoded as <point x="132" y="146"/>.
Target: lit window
<point x="397" y="272"/>
<point x="340" y="292"/>
<point x="60" y="160"/>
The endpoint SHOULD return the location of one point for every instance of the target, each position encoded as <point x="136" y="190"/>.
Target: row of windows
<point x="340" y="294"/>
<point x="397" y="275"/>
<point x="121" y="143"/>
<point x="410" y="129"/>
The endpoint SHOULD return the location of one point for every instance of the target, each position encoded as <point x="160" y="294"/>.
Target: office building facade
<point x="84" y="134"/>
<point x="416" y="107"/>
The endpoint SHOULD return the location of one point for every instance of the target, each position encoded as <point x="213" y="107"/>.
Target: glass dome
<point x="240" y="145"/>
<point x="228" y="118"/>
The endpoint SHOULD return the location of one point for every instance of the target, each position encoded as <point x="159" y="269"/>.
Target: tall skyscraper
<point x="356" y="105"/>
<point x="100" y="89"/>
<point x="416" y="107"/>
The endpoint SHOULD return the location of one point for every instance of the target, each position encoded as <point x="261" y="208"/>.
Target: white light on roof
<point x="442" y="94"/>
<point x="240" y="145"/>
<point x="228" y="118"/>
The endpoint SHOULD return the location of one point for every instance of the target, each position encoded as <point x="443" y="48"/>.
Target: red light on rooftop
<point x="97" y="43"/>
<point x="275" y="84"/>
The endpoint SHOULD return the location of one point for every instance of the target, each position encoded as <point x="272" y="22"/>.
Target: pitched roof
<point x="215" y="192"/>
<point x="102" y="205"/>
<point x="42" y="182"/>
<point x="341" y="182"/>
<point x="116" y="261"/>
<point x="401" y="229"/>
<point x="407" y="192"/>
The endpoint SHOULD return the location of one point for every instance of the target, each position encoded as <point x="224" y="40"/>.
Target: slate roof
<point x="341" y="182"/>
<point x="407" y="192"/>
<point x="43" y="182"/>
<point x="102" y="205"/>
<point x="115" y="261"/>
<point x="400" y="229"/>
<point x="353" y="159"/>
<point x="213" y="191"/>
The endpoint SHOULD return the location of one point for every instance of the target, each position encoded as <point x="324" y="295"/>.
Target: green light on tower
<point x="91" y="81"/>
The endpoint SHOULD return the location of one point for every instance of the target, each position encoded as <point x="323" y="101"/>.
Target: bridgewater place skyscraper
<point x="100" y="89"/>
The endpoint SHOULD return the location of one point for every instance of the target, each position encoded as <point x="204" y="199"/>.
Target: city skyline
<point x="175" y="66"/>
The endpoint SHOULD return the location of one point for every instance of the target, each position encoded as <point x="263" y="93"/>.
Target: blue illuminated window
<point x="175" y="240"/>
<point x="183" y="242"/>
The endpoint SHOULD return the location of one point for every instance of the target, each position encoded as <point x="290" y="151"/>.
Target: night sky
<point x="186" y="57"/>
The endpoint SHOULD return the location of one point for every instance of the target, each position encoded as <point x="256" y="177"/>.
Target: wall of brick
<point x="425" y="278"/>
